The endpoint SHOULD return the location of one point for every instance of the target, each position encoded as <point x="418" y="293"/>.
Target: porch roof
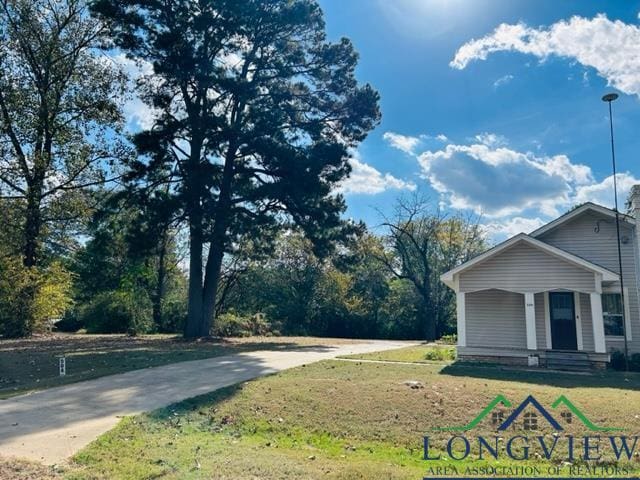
<point x="607" y="275"/>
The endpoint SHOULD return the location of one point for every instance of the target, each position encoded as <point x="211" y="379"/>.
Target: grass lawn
<point x="345" y="420"/>
<point x="425" y="353"/>
<point x="32" y="364"/>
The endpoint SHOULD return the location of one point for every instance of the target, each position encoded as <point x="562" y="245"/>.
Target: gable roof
<point x="589" y="206"/>
<point x="530" y="400"/>
<point x="607" y="275"/>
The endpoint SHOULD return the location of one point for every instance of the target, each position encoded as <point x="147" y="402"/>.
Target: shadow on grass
<point x="33" y="364"/>
<point x="595" y="379"/>
<point x="207" y="400"/>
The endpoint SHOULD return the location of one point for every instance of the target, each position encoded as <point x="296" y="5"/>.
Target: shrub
<point x="617" y="361"/>
<point x="174" y="316"/>
<point x="634" y="362"/>
<point x="231" y="324"/>
<point x="440" y="354"/>
<point x="70" y="322"/>
<point x="119" y="311"/>
<point x="451" y="339"/>
<point x="30" y="298"/>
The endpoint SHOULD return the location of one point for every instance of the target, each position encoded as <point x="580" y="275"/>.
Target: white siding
<point x="579" y="236"/>
<point x="523" y="268"/>
<point x="587" y="324"/>
<point x="495" y="318"/>
<point x="541" y="336"/>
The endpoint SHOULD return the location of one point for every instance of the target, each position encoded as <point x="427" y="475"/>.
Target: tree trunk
<point x="160" y="283"/>
<point x="430" y="325"/>
<point x="194" y="309"/>
<point x="429" y="321"/>
<point x="212" y="280"/>
<point x="32" y="227"/>
<point x="218" y="242"/>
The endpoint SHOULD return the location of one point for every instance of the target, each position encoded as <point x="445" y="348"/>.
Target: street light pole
<point x="610" y="97"/>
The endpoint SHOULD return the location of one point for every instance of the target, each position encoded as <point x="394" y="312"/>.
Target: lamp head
<point x="609" y="97"/>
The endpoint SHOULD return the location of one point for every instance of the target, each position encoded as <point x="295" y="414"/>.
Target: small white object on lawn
<point x="62" y="365"/>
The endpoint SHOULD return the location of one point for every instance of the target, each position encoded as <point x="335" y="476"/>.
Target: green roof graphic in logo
<point x="562" y="400"/>
<point x="500" y="399"/>
<point x="530" y="401"/>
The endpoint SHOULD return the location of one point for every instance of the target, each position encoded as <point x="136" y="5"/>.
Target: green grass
<point x="340" y="420"/>
<point x="32" y="364"/>
<point x="426" y="353"/>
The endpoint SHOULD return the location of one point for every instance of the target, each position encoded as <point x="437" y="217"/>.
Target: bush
<point x="70" y="322"/>
<point x="233" y="325"/>
<point x="174" y="316"/>
<point x="31" y="298"/>
<point x="634" y="362"/>
<point x="440" y="354"/>
<point x="617" y="360"/>
<point x="618" y="363"/>
<point x="451" y="339"/>
<point x="119" y="311"/>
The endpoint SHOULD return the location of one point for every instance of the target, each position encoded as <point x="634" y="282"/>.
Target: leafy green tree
<point x="370" y="281"/>
<point x="128" y="279"/>
<point x="256" y="112"/>
<point x="31" y="298"/>
<point x="57" y="112"/>
<point x="281" y="286"/>
<point x="421" y="245"/>
<point x="58" y="121"/>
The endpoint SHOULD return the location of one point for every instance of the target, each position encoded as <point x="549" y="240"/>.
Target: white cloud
<point x="502" y="81"/>
<point x="512" y="226"/>
<point x="491" y="139"/>
<point x="442" y="137"/>
<point x="602" y="192"/>
<point x="497" y="181"/>
<point x="612" y="48"/>
<point x="365" y="179"/>
<point x="405" y="143"/>
<point x="560" y="165"/>
<point x="136" y="112"/>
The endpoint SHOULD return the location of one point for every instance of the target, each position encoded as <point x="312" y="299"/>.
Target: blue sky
<point x="492" y="106"/>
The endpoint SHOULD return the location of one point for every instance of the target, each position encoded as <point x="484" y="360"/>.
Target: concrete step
<point x="561" y="360"/>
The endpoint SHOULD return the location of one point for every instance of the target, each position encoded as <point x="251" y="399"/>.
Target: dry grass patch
<point x="15" y="469"/>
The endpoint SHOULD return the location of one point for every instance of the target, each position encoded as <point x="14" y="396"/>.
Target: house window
<point x="530" y="421"/>
<point x="497" y="418"/>
<point x="612" y="313"/>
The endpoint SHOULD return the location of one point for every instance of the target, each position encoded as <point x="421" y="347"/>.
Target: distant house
<point x="552" y="298"/>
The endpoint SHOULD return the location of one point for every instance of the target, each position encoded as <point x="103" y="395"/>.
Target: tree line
<point x="223" y="215"/>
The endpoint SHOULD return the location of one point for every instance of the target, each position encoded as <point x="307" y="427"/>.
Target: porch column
<point x="530" y="317"/>
<point x="598" y="322"/>
<point x="461" y="321"/>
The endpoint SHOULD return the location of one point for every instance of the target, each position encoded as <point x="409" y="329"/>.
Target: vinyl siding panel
<point x="541" y="338"/>
<point x="524" y="268"/>
<point x="587" y="323"/>
<point x="593" y="237"/>
<point x="495" y="318"/>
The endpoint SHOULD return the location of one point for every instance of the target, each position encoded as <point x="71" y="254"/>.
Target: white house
<point x="553" y="297"/>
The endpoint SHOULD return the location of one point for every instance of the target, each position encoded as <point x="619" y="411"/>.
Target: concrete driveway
<point x="51" y="425"/>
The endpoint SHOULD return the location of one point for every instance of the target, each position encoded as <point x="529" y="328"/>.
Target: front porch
<point x="527" y="303"/>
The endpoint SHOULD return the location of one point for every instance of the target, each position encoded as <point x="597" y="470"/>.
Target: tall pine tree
<point x="256" y="111"/>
